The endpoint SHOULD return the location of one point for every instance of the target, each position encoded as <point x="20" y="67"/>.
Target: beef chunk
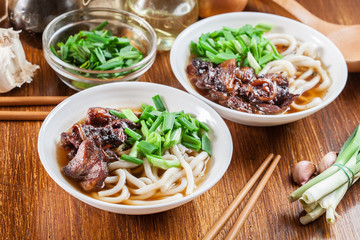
<point x="240" y="88"/>
<point x="72" y="139"/>
<point x="98" y="116"/>
<point x="89" y="165"/>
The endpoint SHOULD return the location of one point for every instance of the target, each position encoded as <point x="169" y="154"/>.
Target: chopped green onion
<point x="101" y="26"/>
<point x="133" y="134"/>
<point x="168" y="123"/>
<point x="204" y="126"/>
<point x="159" y="104"/>
<point x="205" y="144"/>
<point x="98" y="50"/>
<point x="134" y="150"/>
<point x="156" y="124"/>
<point x="160" y="162"/>
<point x="117" y="114"/>
<point x="253" y="63"/>
<point x="184" y="122"/>
<point x="192" y="140"/>
<point x="131" y="159"/>
<point x="130" y="115"/>
<point x="192" y="146"/>
<point x="264" y="27"/>
<point x="245" y="44"/>
<point x="146" y="147"/>
<point x="144" y="128"/>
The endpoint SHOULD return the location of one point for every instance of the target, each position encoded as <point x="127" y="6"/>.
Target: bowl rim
<point x="148" y="27"/>
<point x="97" y="203"/>
<point x="239" y="114"/>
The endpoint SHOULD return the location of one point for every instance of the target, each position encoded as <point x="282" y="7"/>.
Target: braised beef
<point x="89" y="146"/>
<point x="98" y="116"/>
<point x="240" y="88"/>
<point x="89" y="165"/>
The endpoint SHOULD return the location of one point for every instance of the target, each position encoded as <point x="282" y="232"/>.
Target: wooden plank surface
<point x="33" y="206"/>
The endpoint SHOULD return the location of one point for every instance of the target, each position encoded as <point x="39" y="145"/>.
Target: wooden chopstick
<point x="235" y="203"/>
<point x="31" y="100"/>
<point x="258" y="190"/>
<point x="23" y="115"/>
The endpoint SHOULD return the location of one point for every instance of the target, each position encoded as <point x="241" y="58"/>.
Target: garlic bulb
<point x="328" y="160"/>
<point x="303" y="171"/>
<point x="14" y="69"/>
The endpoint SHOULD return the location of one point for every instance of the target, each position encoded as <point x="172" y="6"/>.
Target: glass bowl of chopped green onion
<point x="94" y="46"/>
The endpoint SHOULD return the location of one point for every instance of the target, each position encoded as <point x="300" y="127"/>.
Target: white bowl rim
<point x="95" y="202"/>
<point x="190" y="89"/>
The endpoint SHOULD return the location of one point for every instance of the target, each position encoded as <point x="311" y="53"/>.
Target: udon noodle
<point x="131" y="184"/>
<point x="301" y="66"/>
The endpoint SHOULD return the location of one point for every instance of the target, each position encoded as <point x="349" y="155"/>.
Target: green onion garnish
<point x="131" y="159"/>
<point x="205" y="144"/>
<point x="117" y="114"/>
<point x="159" y="104"/>
<point x="130" y="115"/>
<point x="245" y="44"/>
<point x="133" y="134"/>
<point x="98" y="50"/>
<point x="146" y="147"/>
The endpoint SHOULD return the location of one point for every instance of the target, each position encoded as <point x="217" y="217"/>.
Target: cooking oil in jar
<point x="167" y="17"/>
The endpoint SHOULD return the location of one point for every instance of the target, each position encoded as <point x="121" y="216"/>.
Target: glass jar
<point x="167" y="17"/>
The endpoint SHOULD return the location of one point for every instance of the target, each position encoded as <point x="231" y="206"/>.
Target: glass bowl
<point x="121" y="23"/>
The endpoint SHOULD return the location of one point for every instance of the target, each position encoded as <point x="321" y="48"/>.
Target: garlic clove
<point x="303" y="171"/>
<point x="328" y="160"/>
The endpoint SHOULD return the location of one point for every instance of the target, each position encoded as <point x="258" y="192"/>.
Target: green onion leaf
<point x="131" y="159"/>
<point x="159" y="104"/>
<point x="133" y="134"/>
<point x="205" y="144"/>
<point x="146" y="147"/>
<point x="117" y="114"/>
<point x="160" y="162"/>
<point x="184" y="122"/>
<point x="130" y="115"/>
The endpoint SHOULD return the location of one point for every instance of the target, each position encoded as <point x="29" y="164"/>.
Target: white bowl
<point x="329" y="54"/>
<point x="132" y="94"/>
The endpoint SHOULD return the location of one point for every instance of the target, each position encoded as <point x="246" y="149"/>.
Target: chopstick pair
<point x="28" y="101"/>
<point x="235" y="203"/>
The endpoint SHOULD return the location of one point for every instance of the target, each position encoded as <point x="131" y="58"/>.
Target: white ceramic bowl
<point x="329" y="54"/>
<point x="132" y="94"/>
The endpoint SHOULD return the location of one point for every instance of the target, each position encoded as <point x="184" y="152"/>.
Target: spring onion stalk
<point x="331" y="201"/>
<point x="313" y="215"/>
<point x="351" y="145"/>
<point x="323" y="193"/>
<point x="331" y="183"/>
<point x="310" y="207"/>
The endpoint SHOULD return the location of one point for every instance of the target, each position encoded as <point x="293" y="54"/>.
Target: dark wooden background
<point x="33" y="206"/>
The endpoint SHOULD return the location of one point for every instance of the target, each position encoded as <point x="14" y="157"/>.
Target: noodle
<point x="154" y="185"/>
<point x="300" y="65"/>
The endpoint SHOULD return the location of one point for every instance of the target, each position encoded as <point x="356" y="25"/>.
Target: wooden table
<point x="33" y="206"/>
